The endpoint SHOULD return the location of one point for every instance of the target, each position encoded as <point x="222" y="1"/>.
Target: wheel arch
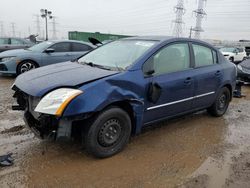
<point x="229" y="86"/>
<point x="33" y="61"/>
<point x="128" y="108"/>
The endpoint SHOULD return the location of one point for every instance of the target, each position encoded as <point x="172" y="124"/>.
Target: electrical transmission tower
<point x="199" y="14"/>
<point x="2" y="29"/>
<point x="54" y="31"/>
<point x="13" y="28"/>
<point x="178" y="22"/>
<point x="38" y="26"/>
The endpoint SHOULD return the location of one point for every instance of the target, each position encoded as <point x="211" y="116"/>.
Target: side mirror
<point x="49" y="50"/>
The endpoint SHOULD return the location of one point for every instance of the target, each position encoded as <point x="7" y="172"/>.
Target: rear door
<point x="171" y="86"/>
<point x="79" y="49"/>
<point x="208" y="75"/>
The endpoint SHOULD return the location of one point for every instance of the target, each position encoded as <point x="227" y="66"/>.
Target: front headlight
<point x="240" y="67"/>
<point x="56" y="101"/>
<point x="7" y="59"/>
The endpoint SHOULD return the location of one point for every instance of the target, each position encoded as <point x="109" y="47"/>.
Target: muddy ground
<point x="193" y="151"/>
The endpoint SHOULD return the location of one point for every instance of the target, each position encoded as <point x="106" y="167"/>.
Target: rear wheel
<point x="221" y="103"/>
<point x="26" y="66"/>
<point x="109" y="133"/>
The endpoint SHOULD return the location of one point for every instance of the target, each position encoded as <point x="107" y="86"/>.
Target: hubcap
<point x="27" y="66"/>
<point x="110" y="133"/>
<point x="222" y="101"/>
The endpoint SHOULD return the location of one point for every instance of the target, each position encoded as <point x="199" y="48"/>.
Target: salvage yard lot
<point x="193" y="151"/>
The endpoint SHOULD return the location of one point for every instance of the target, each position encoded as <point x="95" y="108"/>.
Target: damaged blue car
<point x="117" y="89"/>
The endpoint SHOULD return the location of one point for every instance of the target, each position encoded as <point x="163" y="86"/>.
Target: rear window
<point x="77" y="47"/>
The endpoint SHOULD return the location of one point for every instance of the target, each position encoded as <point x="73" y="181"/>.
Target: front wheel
<point x="221" y="103"/>
<point x="109" y="133"/>
<point x="25" y="66"/>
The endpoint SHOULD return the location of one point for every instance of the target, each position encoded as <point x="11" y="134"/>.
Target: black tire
<point x="108" y="134"/>
<point x="221" y="103"/>
<point x="231" y="59"/>
<point x="26" y="66"/>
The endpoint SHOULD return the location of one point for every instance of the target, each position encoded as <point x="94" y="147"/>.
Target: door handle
<point x="218" y="73"/>
<point x="188" y="81"/>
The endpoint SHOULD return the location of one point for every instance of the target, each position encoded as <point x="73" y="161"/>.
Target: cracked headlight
<point x="4" y="59"/>
<point x="55" y="102"/>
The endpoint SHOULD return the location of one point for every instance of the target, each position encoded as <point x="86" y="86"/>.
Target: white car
<point x="234" y="54"/>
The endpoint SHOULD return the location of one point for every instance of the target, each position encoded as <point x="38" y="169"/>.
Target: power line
<point x="38" y="25"/>
<point x="178" y="22"/>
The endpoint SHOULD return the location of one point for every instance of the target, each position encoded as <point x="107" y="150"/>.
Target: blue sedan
<point x="42" y="54"/>
<point x="117" y="89"/>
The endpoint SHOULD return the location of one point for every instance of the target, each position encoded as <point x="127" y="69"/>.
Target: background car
<point x="14" y="43"/>
<point x="244" y="70"/>
<point x="42" y="54"/>
<point x="120" y="87"/>
<point x="234" y="55"/>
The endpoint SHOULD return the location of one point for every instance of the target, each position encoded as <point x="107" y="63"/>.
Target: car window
<point x="61" y="47"/>
<point x="172" y="58"/>
<point x="4" y="41"/>
<point x="203" y="56"/>
<point x="77" y="47"/>
<point x="16" y="42"/>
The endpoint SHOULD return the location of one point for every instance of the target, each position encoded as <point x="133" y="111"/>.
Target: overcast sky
<point x="226" y="19"/>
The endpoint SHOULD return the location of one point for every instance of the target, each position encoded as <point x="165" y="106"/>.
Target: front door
<point x="62" y="53"/>
<point x="171" y="86"/>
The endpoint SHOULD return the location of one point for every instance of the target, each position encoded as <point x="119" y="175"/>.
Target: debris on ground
<point x="6" y="160"/>
<point x="13" y="129"/>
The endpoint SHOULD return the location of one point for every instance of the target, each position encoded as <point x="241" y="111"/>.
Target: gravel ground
<point x="193" y="151"/>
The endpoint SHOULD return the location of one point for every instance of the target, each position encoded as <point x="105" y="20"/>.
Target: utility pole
<point x="38" y="26"/>
<point x="47" y="15"/>
<point x="178" y="22"/>
<point x="190" y="32"/>
<point x="54" y="31"/>
<point x="13" y="28"/>
<point x="199" y="14"/>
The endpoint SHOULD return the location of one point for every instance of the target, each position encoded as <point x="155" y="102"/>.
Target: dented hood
<point x="40" y="81"/>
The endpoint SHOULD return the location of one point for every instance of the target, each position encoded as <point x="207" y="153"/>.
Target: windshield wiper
<point x="96" y="65"/>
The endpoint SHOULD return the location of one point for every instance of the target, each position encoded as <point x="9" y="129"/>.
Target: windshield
<point x="227" y="50"/>
<point x="117" y="54"/>
<point x="41" y="46"/>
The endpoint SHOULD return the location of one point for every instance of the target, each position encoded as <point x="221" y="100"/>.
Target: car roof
<point x="156" y="38"/>
<point x="167" y="38"/>
<point x="75" y="41"/>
